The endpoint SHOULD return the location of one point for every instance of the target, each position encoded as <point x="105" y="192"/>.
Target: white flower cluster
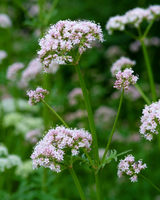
<point x="132" y="17"/>
<point x="5" y="21"/>
<point x="7" y="161"/>
<point x="150" y="120"/>
<point x="3" y="55"/>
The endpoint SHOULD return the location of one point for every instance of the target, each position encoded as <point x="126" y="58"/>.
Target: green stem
<point x="90" y="115"/>
<point x="131" y="35"/>
<point x="48" y="16"/>
<point x="150" y="74"/>
<point x="142" y="94"/>
<point x="78" y="185"/>
<point x="148" y="28"/>
<point x="63" y="122"/>
<point x="115" y="122"/>
<point x="150" y="182"/>
<point x="92" y="129"/>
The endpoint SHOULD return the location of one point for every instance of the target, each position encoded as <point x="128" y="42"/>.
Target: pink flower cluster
<point x="50" y="151"/>
<point x="36" y="96"/>
<point x="65" y="35"/>
<point x="5" y="21"/>
<point x="13" y="70"/>
<point x="132" y="17"/>
<point x="150" y="120"/>
<point x="34" y="70"/>
<point x="33" y="136"/>
<point x="130" y="167"/>
<point x="124" y="79"/>
<point x="121" y="63"/>
<point x="73" y="95"/>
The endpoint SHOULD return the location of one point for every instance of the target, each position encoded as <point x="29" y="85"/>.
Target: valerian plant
<point x="64" y="43"/>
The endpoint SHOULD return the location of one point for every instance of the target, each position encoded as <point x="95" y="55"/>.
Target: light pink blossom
<point x="3" y="55"/>
<point x="5" y="21"/>
<point x="33" y="136"/>
<point x="36" y="96"/>
<point x="63" y="37"/>
<point x="150" y="120"/>
<point x="124" y="79"/>
<point x="131" y="168"/>
<point x="34" y="70"/>
<point x="50" y="151"/>
<point x="13" y="70"/>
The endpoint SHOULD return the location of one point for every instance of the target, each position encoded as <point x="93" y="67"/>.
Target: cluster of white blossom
<point x="133" y="17"/>
<point x="3" y="55"/>
<point x="7" y="161"/>
<point x="5" y="21"/>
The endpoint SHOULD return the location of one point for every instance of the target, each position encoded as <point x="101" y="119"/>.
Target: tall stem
<point x="150" y="182"/>
<point x="115" y="122"/>
<point x="93" y="131"/>
<point x="142" y="94"/>
<point x="63" y="122"/>
<point x="149" y="70"/>
<point x="90" y="115"/>
<point x="78" y="185"/>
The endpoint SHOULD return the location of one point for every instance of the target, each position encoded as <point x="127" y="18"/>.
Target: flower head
<point x="5" y="21"/>
<point x="36" y="96"/>
<point x="73" y="96"/>
<point x="64" y="36"/>
<point x="129" y="167"/>
<point x="33" y="136"/>
<point x="150" y="120"/>
<point x="137" y="15"/>
<point x="124" y="79"/>
<point x="50" y="151"/>
<point x="34" y="70"/>
<point x="13" y="70"/>
<point x="116" y="23"/>
<point x="3" y="55"/>
<point x="132" y="17"/>
<point x="155" y="11"/>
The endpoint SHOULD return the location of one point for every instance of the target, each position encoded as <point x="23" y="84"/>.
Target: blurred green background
<point x="20" y="41"/>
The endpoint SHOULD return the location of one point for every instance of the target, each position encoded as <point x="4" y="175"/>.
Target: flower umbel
<point x="50" y="151"/>
<point x="130" y="167"/>
<point x="36" y="96"/>
<point x="124" y="79"/>
<point x="63" y="37"/>
<point x="150" y="120"/>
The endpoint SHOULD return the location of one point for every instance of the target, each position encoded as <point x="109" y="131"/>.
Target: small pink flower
<point x="64" y="36"/>
<point x="150" y="120"/>
<point x="124" y="79"/>
<point x="131" y="168"/>
<point x="36" y="96"/>
<point x="50" y="151"/>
